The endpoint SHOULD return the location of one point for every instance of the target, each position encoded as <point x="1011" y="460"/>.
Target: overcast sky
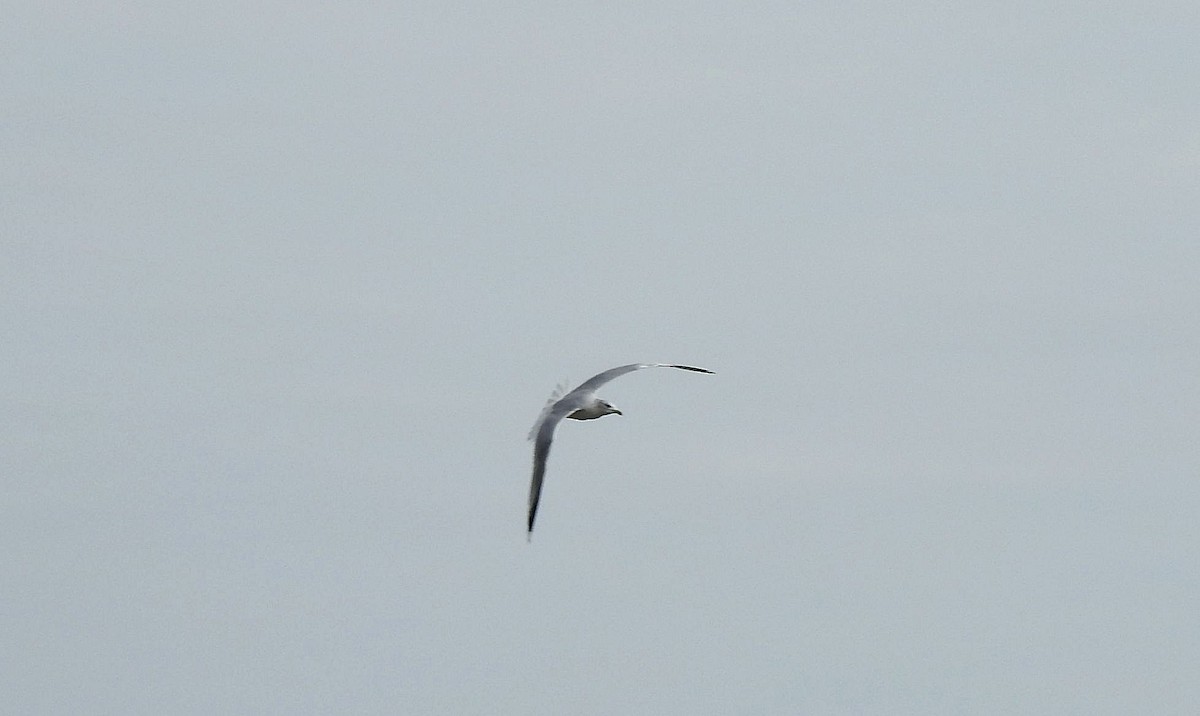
<point x="285" y="285"/>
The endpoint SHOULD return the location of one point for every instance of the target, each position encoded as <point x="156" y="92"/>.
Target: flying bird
<point x="579" y="404"/>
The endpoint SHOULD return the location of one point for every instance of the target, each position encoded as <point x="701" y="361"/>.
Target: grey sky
<point x="285" y="285"/>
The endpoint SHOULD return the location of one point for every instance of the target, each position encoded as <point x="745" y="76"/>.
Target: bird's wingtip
<point x="692" y="368"/>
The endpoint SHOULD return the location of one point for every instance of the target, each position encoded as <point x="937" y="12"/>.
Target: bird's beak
<point x="618" y="412"/>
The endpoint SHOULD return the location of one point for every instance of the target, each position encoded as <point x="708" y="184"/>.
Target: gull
<point x="579" y="404"/>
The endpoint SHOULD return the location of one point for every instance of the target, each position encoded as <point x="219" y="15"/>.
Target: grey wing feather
<point x="541" y="452"/>
<point x="559" y="391"/>
<point x="592" y="384"/>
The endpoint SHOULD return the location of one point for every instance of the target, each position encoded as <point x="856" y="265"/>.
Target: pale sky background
<point x="286" y="284"/>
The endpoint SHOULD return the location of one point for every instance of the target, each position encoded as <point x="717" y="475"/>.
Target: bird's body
<point x="579" y="404"/>
<point x="597" y="410"/>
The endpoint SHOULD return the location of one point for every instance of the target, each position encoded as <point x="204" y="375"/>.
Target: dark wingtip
<point x="692" y="368"/>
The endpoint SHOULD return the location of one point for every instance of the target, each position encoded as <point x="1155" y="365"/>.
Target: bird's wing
<point x="559" y="391"/>
<point x="592" y="384"/>
<point x="541" y="451"/>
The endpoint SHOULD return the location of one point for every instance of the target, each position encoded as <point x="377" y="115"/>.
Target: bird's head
<point x="609" y="408"/>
